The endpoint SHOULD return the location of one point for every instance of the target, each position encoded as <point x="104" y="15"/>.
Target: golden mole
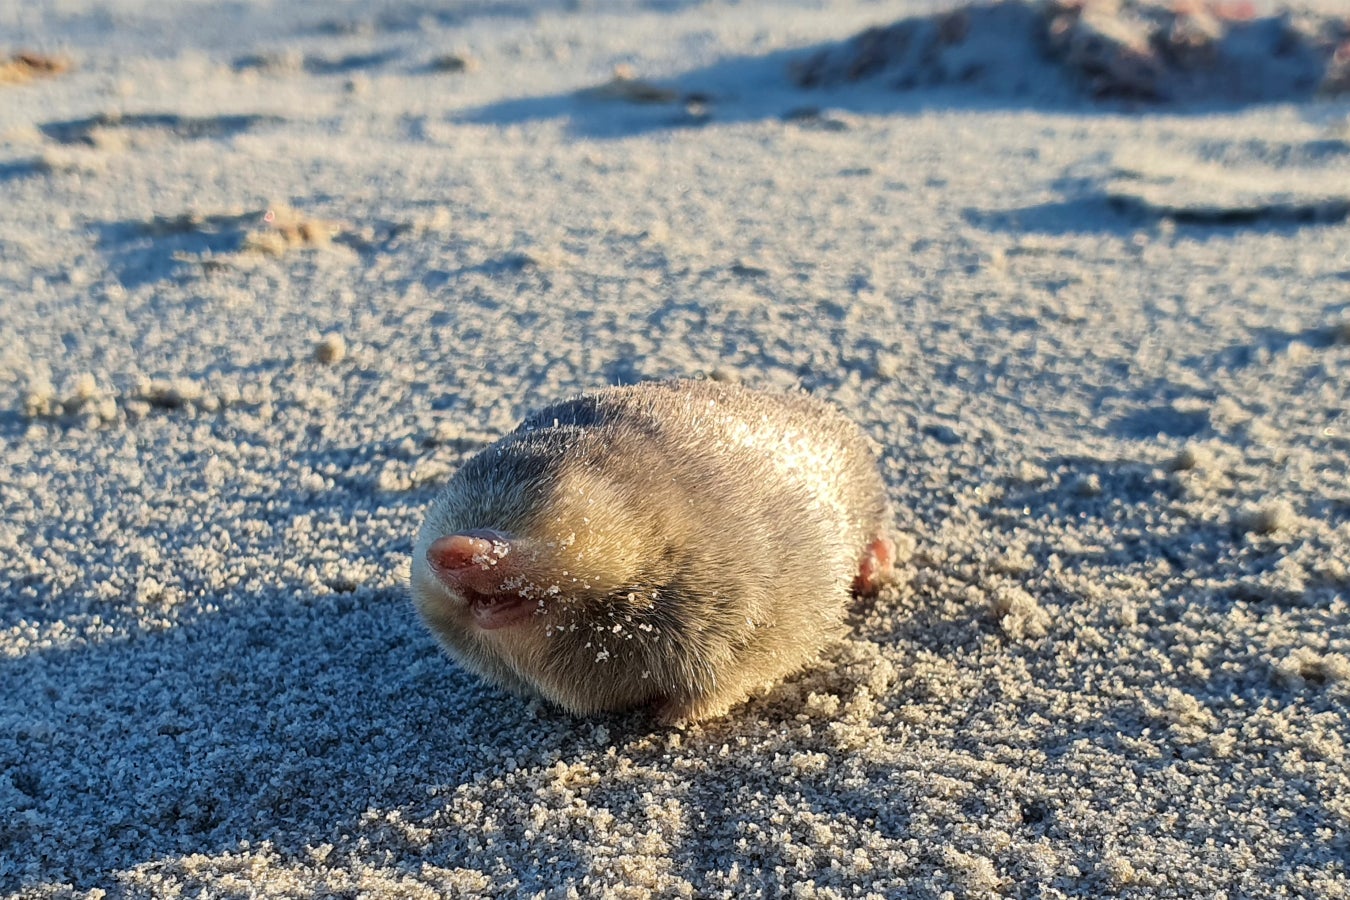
<point x="677" y="544"/>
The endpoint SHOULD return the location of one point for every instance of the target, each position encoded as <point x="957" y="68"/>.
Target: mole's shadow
<point x="268" y="720"/>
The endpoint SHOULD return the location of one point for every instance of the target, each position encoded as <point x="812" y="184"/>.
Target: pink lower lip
<point x="501" y="612"/>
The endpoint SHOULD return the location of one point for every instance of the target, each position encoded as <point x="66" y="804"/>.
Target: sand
<point x="270" y="272"/>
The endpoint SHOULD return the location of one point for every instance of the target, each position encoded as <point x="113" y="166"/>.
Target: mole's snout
<point x="483" y="568"/>
<point x="470" y="560"/>
<point x="472" y="548"/>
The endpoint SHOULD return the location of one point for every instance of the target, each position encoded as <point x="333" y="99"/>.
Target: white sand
<point x="1119" y="661"/>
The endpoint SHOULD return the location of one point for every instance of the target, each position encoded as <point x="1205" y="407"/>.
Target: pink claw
<point x="876" y="567"/>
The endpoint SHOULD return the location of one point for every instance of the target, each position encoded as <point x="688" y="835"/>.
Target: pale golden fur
<point x="689" y="543"/>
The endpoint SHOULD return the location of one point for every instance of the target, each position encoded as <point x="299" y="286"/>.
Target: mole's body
<point x="679" y="544"/>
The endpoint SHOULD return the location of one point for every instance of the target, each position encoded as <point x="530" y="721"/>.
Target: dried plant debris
<point x="962" y="46"/>
<point x="189" y="223"/>
<point x="96" y="131"/>
<point x="145" y="251"/>
<point x="87" y="402"/>
<point x="1195" y="50"/>
<point x="461" y="63"/>
<point x="1305" y="667"/>
<point x="813" y="117"/>
<point x="25" y="66"/>
<point x="1219" y="190"/>
<point x="626" y="86"/>
<point x="1017" y="612"/>
<point x="1337" y="78"/>
<point x="172" y="394"/>
<point x="84" y="401"/>
<point x="1110" y="50"/>
<point x="1144" y="50"/>
<point x="270" y="233"/>
<point x="291" y="62"/>
<point x="274" y="62"/>
<point x="1268" y="518"/>
<point x="331" y="349"/>
<point x="148" y="251"/>
<point x="284" y="229"/>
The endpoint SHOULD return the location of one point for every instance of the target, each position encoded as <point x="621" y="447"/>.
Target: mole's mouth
<point x="477" y="566"/>
<point x="493" y="611"/>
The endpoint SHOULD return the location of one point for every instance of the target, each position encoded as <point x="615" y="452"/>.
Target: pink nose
<point x="460" y="551"/>
<point x="471" y="560"/>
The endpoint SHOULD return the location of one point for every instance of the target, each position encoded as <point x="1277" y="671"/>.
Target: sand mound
<point x="1191" y="51"/>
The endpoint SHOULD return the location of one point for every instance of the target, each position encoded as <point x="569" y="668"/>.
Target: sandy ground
<point x="1105" y="345"/>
